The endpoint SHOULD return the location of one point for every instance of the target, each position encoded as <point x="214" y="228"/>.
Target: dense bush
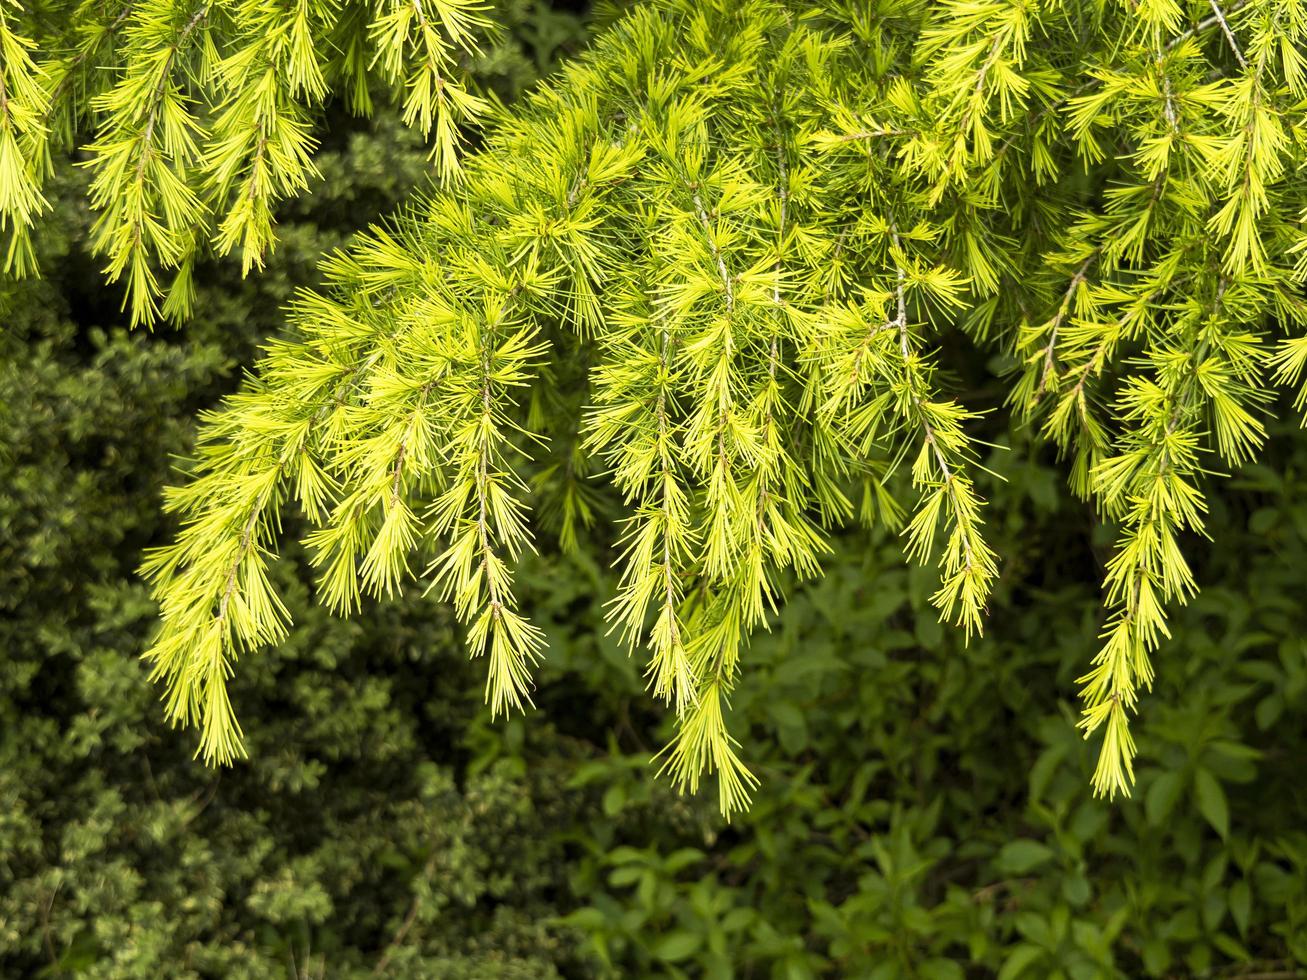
<point x="925" y="810"/>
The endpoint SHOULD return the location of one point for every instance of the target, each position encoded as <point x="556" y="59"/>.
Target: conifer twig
<point x="1216" y="18"/>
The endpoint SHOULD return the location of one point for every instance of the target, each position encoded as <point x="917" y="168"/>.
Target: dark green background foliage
<point x="925" y="808"/>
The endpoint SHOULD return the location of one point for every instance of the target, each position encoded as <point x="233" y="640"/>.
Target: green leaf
<point x="941" y="969"/>
<point x="628" y="874"/>
<point x="677" y="946"/>
<point x="1157" y="955"/>
<point x="786" y="714"/>
<point x="1076" y="889"/>
<point x="1212" y="803"/>
<point x="614" y="799"/>
<point x="1022" y="957"/>
<point x="1241" y="900"/>
<point x="1161" y="797"/>
<point x="681" y="859"/>
<point x="1021" y="856"/>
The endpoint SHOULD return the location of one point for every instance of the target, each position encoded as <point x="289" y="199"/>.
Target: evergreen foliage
<point x="925" y="807"/>
<point x="706" y="287"/>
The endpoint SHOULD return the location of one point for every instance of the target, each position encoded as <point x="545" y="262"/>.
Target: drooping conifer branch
<point x="753" y="226"/>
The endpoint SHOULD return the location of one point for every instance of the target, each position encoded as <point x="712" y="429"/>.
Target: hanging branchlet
<point x="203" y="116"/>
<point x="46" y="96"/>
<point x="879" y="390"/>
<point x="739" y="234"/>
<point x="147" y="142"/>
<point x="23" y="109"/>
<point x="259" y="451"/>
<point x="260" y="144"/>
<point x="635" y="426"/>
<point x="479" y="514"/>
<point x="975" y="54"/>
<point x="1176" y="269"/>
<point x="417" y="44"/>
